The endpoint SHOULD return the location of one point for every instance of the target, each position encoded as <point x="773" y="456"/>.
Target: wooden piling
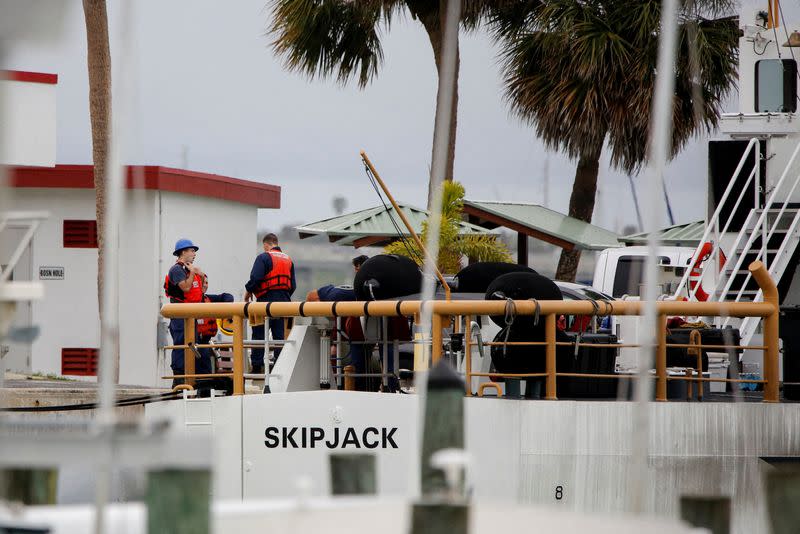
<point x="179" y="501"/>
<point x="713" y="513"/>
<point x="437" y="518"/>
<point x="444" y="423"/>
<point x="783" y="500"/>
<point x="353" y="474"/>
<point x="29" y="486"/>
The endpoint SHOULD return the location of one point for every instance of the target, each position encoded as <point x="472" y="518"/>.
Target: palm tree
<point x="583" y="73"/>
<point x="99" y="66"/>
<point x="341" y="38"/>
<point x="452" y="246"/>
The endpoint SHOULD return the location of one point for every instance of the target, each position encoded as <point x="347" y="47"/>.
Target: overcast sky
<point x="211" y="96"/>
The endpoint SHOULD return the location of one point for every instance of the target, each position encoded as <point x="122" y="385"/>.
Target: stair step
<point x="747" y="294"/>
<point x="777" y="210"/>
<point x="773" y="232"/>
<point x="756" y="251"/>
<point x="729" y="272"/>
<point x="736" y="290"/>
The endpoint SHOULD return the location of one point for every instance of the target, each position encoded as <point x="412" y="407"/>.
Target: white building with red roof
<point x="161" y="205"/>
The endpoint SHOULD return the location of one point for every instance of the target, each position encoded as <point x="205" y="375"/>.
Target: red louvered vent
<point x="80" y="362"/>
<point x="80" y="234"/>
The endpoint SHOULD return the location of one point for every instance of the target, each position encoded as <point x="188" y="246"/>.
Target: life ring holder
<point x="696" y="272"/>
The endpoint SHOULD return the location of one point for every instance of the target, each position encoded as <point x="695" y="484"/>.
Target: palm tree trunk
<point x="434" y="24"/>
<point x="99" y="67"/>
<point x="581" y="206"/>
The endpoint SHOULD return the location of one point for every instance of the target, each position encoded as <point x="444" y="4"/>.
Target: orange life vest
<point x="207" y="327"/>
<point x="280" y="277"/>
<point x="176" y="294"/>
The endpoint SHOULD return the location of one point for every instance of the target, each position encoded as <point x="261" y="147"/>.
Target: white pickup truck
<point x="619" y="272"/>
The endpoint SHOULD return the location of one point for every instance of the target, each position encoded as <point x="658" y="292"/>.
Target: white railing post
<point x="714" y="220"/>
<point x="761" y="221"/>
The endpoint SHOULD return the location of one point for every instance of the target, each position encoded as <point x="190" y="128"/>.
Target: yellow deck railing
<point x="443" y="311"/>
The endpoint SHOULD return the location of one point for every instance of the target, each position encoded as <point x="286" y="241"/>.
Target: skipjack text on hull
<point x="295" y="437"/>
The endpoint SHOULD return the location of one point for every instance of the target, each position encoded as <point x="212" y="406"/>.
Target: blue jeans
<point x="358" y="358"/>
<point x="176" y="331"/>
<point x="275" y="326"/>
<point x="202" y="364"/>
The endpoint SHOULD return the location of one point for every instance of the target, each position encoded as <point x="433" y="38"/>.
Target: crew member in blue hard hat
<point x="183" y="283"/>
<point x="271" y="280"/>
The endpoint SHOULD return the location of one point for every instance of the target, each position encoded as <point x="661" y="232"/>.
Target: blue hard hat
<point x="182" y="244"/>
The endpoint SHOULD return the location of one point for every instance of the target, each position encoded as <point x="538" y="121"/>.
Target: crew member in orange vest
<point x="271" y="280"/>
<point x="183" y="283"/>
<point x="206" y="329"/>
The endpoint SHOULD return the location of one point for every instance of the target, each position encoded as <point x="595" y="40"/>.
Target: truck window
<point x="628" y="276"/>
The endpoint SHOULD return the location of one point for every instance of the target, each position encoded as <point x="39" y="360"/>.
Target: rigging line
<point x="397" y="229"/>
<point x="777" y="44"/>
<point x="412" y="253"/>
<point x="380" y="197"/>
<point x="786" y="32"/>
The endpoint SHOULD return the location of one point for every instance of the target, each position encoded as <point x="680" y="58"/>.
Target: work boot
<point x="258" y="369"/>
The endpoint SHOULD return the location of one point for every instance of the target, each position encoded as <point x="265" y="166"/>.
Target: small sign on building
<point x="51" y="273"/>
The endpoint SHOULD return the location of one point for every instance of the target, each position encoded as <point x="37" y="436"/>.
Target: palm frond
<point x="484" y="248"/>
<point x="453" y="246"/>
<point x="583" y="73"/>
<point x="321" y="38"/>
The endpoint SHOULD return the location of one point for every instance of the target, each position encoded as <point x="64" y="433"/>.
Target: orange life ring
<point x="696" y="274"/>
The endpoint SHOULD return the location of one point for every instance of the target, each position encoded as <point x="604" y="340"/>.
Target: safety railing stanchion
<point x="385" y="349"/>
<point x="770" y="292"/>
<point x="267" y="333"/>
<point x="339" y="357"/>
<point x="238" y="355"/>
<point x="661" y="358"/>
<point x="188" y="353"/>
<point x="550" y="356"/>
<point x="696" y="339"/>
<point x="349" y="379"/>
<point x="436" y="338"/>
<point x="468" y="354"/>
<point x="771" y="373"/>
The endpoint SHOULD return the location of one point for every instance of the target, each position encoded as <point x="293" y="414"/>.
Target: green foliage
<point x="330" y="37"/>
<point x="452" y="246"/>
<point x="583" y="73"/>
<point x="342" y="38"/>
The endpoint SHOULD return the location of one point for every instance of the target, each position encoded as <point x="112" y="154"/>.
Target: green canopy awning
<point x="679" y="235"/>
<point x="540" y="223"/>
<point x="376" y="226"/>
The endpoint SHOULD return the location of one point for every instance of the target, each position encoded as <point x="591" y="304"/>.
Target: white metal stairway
<point x="769" y="234"/>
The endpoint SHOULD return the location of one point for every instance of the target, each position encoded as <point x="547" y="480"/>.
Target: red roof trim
<point x="25" y="76"/>
<point x="155" y="178"/>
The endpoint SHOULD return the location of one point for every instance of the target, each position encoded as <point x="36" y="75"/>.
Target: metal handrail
<point x="715" y="217"/>
<point x="717" y="248"/>
<point x="771" y="270"/>
<point x="762" y="221"/>
<point x="548" y="309"/>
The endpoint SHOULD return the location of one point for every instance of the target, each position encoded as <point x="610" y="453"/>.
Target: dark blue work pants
<point x="358" y="358"/>
<point x="202" y="364"/>
<point x="275" y="326"/>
